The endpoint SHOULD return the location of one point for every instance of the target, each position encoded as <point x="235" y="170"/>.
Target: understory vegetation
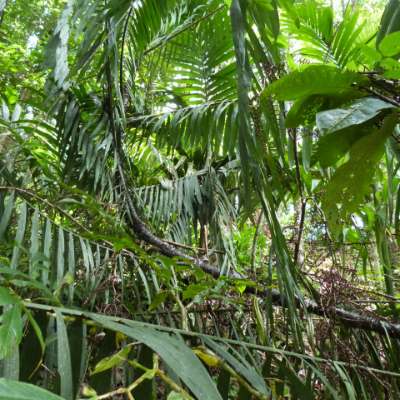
<point x="199" y="199"/>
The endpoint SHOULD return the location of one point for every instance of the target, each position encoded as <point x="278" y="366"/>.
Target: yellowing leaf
<point x="68" y="279"/>
<point x="118" y="337"/>
<point x="209" y="359"/>
<point x="88" y="391"/>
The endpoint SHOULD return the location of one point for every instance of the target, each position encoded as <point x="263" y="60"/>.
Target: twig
<point x="365" y="67"/>
<point x="381" y="96"/>
<point x="191" y="248"/>
<point x="395" y="137"/>
<point x="303" y="203"/>
<point x="370" y="72"/>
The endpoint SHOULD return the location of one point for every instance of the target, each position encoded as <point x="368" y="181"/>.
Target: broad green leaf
<point x="194" y="289"/>
<point x="390" y="45"/>
<point x="304" y="110"/>
<point x="355" y="113"/>
<point x="394" y="74"/>
<point x="6" y="298"/>
<point x="327" y="81"/>
<point x="10" y="330"/>
<point x="11" y="390"/>
<point x="389" y="20"/>
<point x="390" y="63"/>
<point x="159" y="298"/>
<point x="369" y="52"/>
<point x="331" y="148"/>
<point x="112" y="361"/>
<point x="351" y="181"/>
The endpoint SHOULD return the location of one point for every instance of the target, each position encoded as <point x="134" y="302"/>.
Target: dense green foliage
<point x="199" y="199"/>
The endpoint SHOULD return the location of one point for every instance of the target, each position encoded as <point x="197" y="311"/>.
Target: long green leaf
<point x="7" y="213"/>
<point x="64" y="358"/>
<point x="24" y="391"/>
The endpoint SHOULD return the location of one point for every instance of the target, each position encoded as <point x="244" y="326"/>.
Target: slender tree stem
<point x="191" y="248"/>
<point x="293" y="137"/>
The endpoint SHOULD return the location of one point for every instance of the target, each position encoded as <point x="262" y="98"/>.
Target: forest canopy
<point x="199" y="199"/>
